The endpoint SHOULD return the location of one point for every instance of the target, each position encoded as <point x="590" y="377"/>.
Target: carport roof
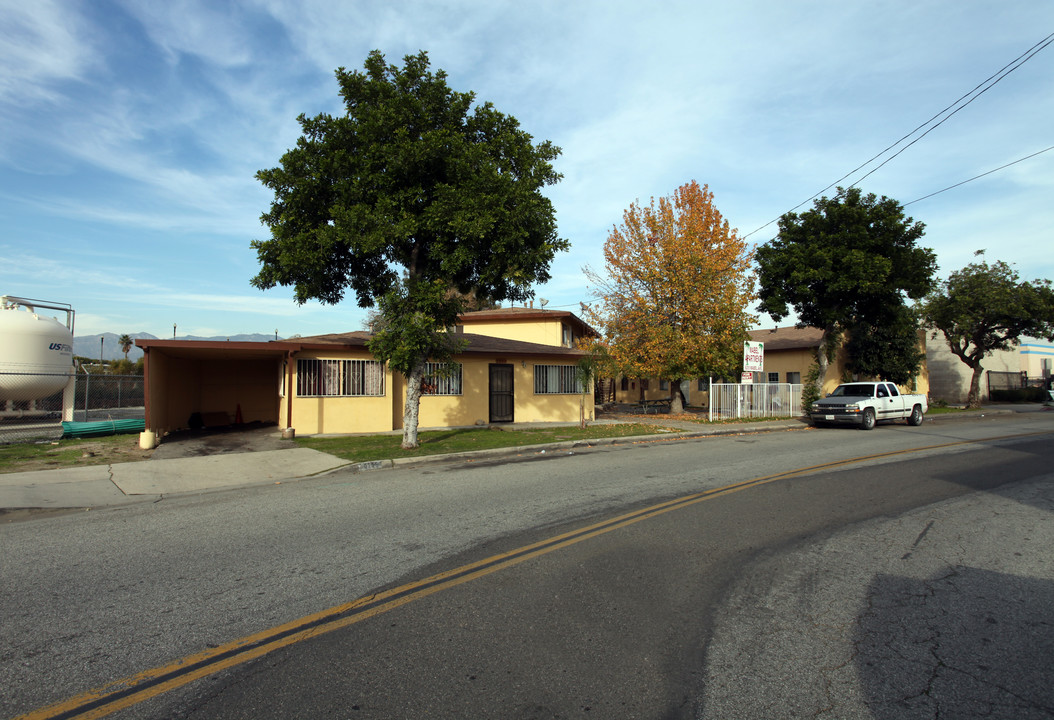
<point x="477" y="344"/>
<point x="213" y="348"/>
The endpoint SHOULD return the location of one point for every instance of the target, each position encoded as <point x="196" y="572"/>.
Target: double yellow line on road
<point x="151" y="683"/>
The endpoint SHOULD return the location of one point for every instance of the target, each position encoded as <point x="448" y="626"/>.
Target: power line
<point x="1030" y="52"/>
<point x="986" y="84"/>
<point x="1015" y="162"/>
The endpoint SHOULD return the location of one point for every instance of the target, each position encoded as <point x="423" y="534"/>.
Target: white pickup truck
<point x="866" y="403"/>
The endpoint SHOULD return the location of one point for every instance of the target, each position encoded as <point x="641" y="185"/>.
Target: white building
<point x="950" y="376"/>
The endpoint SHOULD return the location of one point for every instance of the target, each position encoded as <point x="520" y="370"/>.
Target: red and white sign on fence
<point x="753" y="356"/>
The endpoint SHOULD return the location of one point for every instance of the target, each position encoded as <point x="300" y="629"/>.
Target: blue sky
<point x="130" y="132"/>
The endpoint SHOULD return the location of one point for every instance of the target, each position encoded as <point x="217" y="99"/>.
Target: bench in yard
<point x="656" y="405"/>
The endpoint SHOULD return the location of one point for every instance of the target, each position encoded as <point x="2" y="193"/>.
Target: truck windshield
<point x="859" y="390"/>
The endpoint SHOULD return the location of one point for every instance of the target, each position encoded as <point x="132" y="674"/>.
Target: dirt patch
<point x="642" y="417"/>
<point x="90" y="451"/>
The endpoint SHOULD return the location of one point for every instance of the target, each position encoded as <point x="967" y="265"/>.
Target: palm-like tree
<point x="125" y="342"/>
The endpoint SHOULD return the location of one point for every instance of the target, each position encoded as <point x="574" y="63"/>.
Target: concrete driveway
<point x="221" y="441"/>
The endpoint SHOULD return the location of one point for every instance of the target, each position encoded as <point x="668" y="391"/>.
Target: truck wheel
<point x="915" y="418"/>
<point x="869" y="419"/>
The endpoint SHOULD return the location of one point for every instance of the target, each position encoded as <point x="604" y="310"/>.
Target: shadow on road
<point x="968" y="643"/>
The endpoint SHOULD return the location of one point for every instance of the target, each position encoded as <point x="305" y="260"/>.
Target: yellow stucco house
<point x="518" y="365"/>
<point x="789" y="353"/>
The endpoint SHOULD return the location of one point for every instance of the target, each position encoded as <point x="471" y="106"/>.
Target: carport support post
<point x="289" y="389"/>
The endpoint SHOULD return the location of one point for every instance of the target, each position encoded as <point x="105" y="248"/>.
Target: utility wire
<point x="1045" y="42"/>
<point x="990" y="82"/>
<point x="1015" y="162"/>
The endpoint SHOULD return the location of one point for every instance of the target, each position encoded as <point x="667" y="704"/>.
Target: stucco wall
<point x="180" y="387"/>
<point x="342" y="415"/>
<point x="536" y="331"/>
<point x="349" y="415"/>
<point x="248" y="385"/>
<point x="473" y="405"/>
<point x="1037" y="357"/>
<point x="468" y="408"/>
<point x="632" y="393"/>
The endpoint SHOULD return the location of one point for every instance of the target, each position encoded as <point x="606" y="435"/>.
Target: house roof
<point x="477" y="344"/>
<point x="489" y="345"/>
<point x="788" y="338"/>
<point x="357" y="338"/>
<point x="525" y="313"/>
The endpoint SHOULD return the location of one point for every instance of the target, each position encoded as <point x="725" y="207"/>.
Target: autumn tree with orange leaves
<point x="674" y="295"/>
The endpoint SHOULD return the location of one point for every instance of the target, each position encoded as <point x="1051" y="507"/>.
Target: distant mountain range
<point x="88" y="345"/>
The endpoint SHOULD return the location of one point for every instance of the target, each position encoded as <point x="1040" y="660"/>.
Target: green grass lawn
<point x="363" y="448"/>
<point x="947" y="410"/>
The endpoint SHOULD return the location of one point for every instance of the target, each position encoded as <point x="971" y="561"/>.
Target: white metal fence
<point x="729" y="401"/>
<point x="93" y="397"/>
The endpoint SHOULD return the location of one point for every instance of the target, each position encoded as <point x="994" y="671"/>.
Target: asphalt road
<point x="782" y="599"/>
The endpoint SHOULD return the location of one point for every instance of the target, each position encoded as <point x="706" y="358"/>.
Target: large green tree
<point x="412" y="193"/>
<point x="985" y="307"/>
<point x="849" y="265"/>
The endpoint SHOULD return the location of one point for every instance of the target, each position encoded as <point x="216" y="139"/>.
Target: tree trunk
<point x="821" y="362"/>
<point x="676" y="406"/>
<point x="973" y="399"/>
<point x="412" y="409"/>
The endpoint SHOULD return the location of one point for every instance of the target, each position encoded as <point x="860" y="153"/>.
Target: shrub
<point x="809" y="393"/>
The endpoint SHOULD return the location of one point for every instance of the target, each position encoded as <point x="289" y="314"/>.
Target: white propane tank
<point x="36" y="351"/>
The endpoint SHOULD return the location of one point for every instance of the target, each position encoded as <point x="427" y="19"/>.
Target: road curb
<point x="544" y="448"/>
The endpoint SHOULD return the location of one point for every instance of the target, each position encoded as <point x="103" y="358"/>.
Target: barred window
<point x="556" y="380"/>
<point x="339" y="378"/>
<point x="442" y="379"/>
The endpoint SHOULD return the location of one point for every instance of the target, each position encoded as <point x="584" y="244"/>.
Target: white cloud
<point x="208" y="30"/>
<point x="41" y="43"/>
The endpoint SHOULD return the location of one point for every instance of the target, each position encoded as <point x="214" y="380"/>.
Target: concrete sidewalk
<point x="147" y="481"/>
<point x="133" y="482"/>
<point x="124" y="483"/>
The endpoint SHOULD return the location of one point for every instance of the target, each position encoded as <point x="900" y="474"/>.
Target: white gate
<point x="729" y="401"/>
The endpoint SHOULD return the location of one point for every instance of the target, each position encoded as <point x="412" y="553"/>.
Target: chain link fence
<point x="93" y="397"/>
<point x="1005" y="380"/>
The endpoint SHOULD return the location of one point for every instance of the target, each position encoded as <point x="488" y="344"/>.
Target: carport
<point x="213" y="383"/>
